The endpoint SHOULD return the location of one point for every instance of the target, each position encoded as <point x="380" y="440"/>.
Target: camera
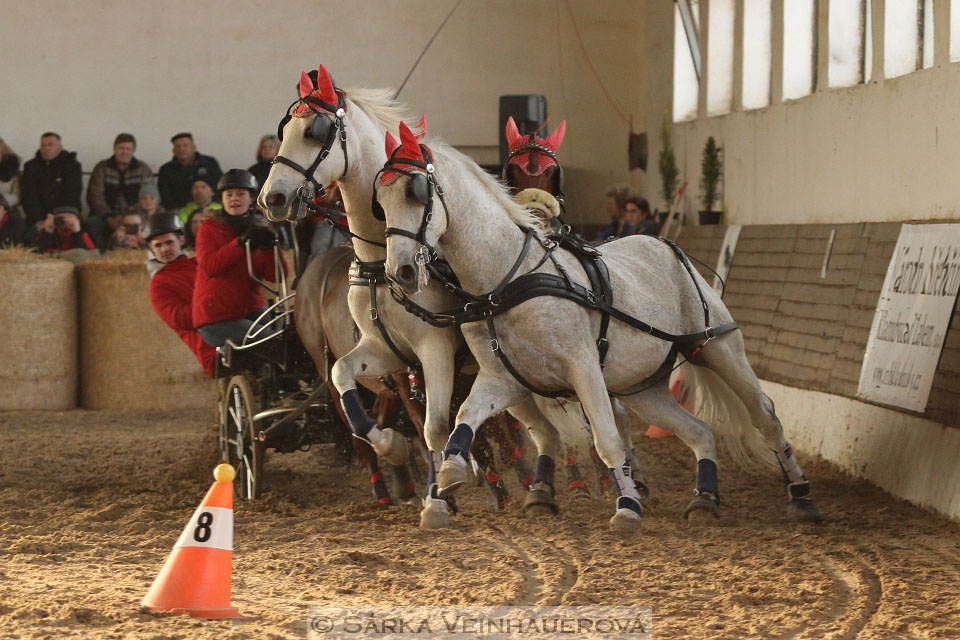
<point x="59" y="222"/>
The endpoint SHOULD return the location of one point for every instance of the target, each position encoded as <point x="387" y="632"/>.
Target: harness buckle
<point x="494" y="344"/>
<point x="711" y="333"/>
<point x="492" y="302"/>
<point x="374" y="315"/>
<point x="592" y="298"/>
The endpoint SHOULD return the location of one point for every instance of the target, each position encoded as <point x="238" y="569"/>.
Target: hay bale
<point x="38" y="332"/>
<point x="129" y="358"/>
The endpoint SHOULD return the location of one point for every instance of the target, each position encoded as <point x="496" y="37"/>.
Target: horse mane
<point x="380" y="106"/>
<point x="518" y="214"/>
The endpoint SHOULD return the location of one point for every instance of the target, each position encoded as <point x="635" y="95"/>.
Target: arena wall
<point x="805" y="336"/>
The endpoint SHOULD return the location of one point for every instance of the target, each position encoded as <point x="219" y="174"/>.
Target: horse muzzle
<point x="277" y="206"/>
<point x="406" y="277"/>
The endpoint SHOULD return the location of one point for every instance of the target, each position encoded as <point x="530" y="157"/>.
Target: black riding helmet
<point x="161" y="223"/>
<point x="238" y="179"/>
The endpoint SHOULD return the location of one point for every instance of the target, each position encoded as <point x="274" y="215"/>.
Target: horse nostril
<point x="276" y="199"/>
<point x="407" y="275"/>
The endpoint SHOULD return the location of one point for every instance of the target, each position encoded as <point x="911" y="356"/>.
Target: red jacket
<point x="224" y="289"/>
<point x="171" y="294"/>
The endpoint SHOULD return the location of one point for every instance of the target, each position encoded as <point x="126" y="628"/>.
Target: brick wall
<point x="811" y="332"/>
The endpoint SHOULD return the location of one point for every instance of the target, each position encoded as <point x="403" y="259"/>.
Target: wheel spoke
<point x="250" y="479"/>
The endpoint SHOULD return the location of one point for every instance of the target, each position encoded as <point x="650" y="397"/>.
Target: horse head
<point x="313" y="149"/>
<point x="532" y="161"/>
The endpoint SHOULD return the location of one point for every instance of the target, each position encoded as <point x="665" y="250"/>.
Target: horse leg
<point x="622" y="418"/>
<point x="575" y="484"/>
<point x="729" y="361"/>
<point x="365" y="452"/>
<point x="438" y="378"/>
<point x="513" y="446"/>
<point x="658" y="406"/>
<point x="588" y="383"/>
<point x="541" y="499"/>
<point x="373" y="359"/>
<point x="388" y="408"/>
<point x="487" y="397"/>
<point x="482" y="452"/>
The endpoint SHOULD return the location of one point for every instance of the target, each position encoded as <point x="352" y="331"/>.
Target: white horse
<point x="552" y="342"/>
<point x="336" y="135"/>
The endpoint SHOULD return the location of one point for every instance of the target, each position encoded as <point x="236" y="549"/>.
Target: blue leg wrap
<point x="360" y="422"/>
<point x="545" y="470"/>
<point x="459" y="442"/>
<point x="707" y="478"/>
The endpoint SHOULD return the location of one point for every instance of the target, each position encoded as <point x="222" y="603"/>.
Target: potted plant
<point x="669" y="173"/>
<point x="711" y="166"/>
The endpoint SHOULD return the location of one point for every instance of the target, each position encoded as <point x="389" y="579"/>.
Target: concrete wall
<point x="881" y="151"/>
<point x="226" y="70"/>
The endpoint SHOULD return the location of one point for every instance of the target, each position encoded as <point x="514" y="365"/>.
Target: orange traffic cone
<point x="196" y="576"/>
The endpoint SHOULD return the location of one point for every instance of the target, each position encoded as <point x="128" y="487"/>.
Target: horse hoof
<point x="393" y="447"/>
<point x="540" y="501"/>
<point x="434" y="515"/>
<point x="452" y="476"/>
<point x="804" y="510"/>
<point x="702" y="509"/>
<point x="625" y="521"/>
<point x="580" y="493"/>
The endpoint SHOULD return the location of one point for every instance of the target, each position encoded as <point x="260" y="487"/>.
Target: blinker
<point x="420" y="188"/>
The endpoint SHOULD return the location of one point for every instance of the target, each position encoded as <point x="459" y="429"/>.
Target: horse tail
<point x="711" y="400"/>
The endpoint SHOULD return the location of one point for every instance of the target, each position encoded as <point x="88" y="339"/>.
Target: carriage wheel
<point x="244" y="451"/>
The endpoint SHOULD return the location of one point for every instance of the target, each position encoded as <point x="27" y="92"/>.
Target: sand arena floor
<point x="91" y="503"/>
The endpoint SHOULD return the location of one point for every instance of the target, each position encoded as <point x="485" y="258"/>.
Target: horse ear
<point x="391" y="144"/>
<point x="556" y="138"/>
<point x="325" y="86"/>
<point x="306" y="84"/>
<point x="421" y="127"/>
<point x="513" y="134"/>
<point x="410" y="144"/>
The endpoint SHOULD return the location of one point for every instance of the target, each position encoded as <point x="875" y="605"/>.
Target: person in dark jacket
<point x="177" y="176"/>
<point x="226" y="301"/>
<point x="52" y="179"/>
<point x="172" y="276"/>
<point x="115" y="186"/>
<point x="638" y="221"/>
<point x="11" y="224"/>
<point x="62" y="230"/>
<point x="266" y="151"/>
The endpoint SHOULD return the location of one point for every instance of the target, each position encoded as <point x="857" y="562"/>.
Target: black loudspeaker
<point x="529" y="111"/>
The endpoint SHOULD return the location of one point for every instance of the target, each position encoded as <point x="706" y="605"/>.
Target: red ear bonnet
<point x="513" y="135"/>
<point x="324" y="91"/>
<point x="409" y="148"/>
<point x="531" y="161"/>
<point x="306" y="84"/>
<point x="391" y="144"/>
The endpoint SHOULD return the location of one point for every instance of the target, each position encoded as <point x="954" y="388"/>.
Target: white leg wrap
<point x="788" y="462"/>
<point x="625" y="484"/>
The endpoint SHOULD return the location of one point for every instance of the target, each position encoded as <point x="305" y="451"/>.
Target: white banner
<point x="912" y="316"/>
<point x="727" y="249"/>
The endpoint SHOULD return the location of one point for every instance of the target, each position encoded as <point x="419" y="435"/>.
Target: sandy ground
<point x="91" y="503"/>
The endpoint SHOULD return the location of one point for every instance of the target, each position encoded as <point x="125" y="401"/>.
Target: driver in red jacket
<point x="226" y="301"/>
<point x="172" y="273"/>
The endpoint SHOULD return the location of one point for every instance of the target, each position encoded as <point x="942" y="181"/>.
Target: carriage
<point x="270" y="394"/>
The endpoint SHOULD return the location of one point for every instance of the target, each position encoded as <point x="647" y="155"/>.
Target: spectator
<point x="9" y="176"/>
<point x="11" y="224"/>
<point x="52" y="179"/>
<point x="202" y="193"/>
<point x="177" y="176"/>
<point x="148" y="201"/>
<point x="115" y="185"/>
<point x="192" y="226"/>
<point x="638" y="219"/>
<point x="226" y="301"/>
<point x="172" y="274"/>
<point x="617" y="197"/>
<point x="266" y="152"/>
<point x="129" y="235"/>
<point x="61" y="230"/>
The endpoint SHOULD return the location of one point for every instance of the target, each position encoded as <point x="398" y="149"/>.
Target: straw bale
<point x="129" y="357"/>
<point x="38" y="332"/>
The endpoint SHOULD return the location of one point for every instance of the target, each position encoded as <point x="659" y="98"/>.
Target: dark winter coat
<point x="47" y="184"/>
<point x="176" y="181"/>
<point x="171" y="294"/>
<point x="224" y="289"/>
<point x="11" y="228"/>
<point x="62" y="240"/>
<point x="112" y="191"/>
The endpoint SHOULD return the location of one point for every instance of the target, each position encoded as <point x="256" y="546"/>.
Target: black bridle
<point x="323" y="131"/>
<point x="542" y="149"/>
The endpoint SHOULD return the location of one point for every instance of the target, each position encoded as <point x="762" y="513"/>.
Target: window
<point x="799" y="52"/>
<point x="868" y="41"/>
<point x="756" y="54"/>
<point x="901" y="37"/>
<point x="954" y="30"/>
<point x="720" y="52"/>
<point x="686" y="87"/>
<point x="846" y="43"/>
<point x="927" y="34"/>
